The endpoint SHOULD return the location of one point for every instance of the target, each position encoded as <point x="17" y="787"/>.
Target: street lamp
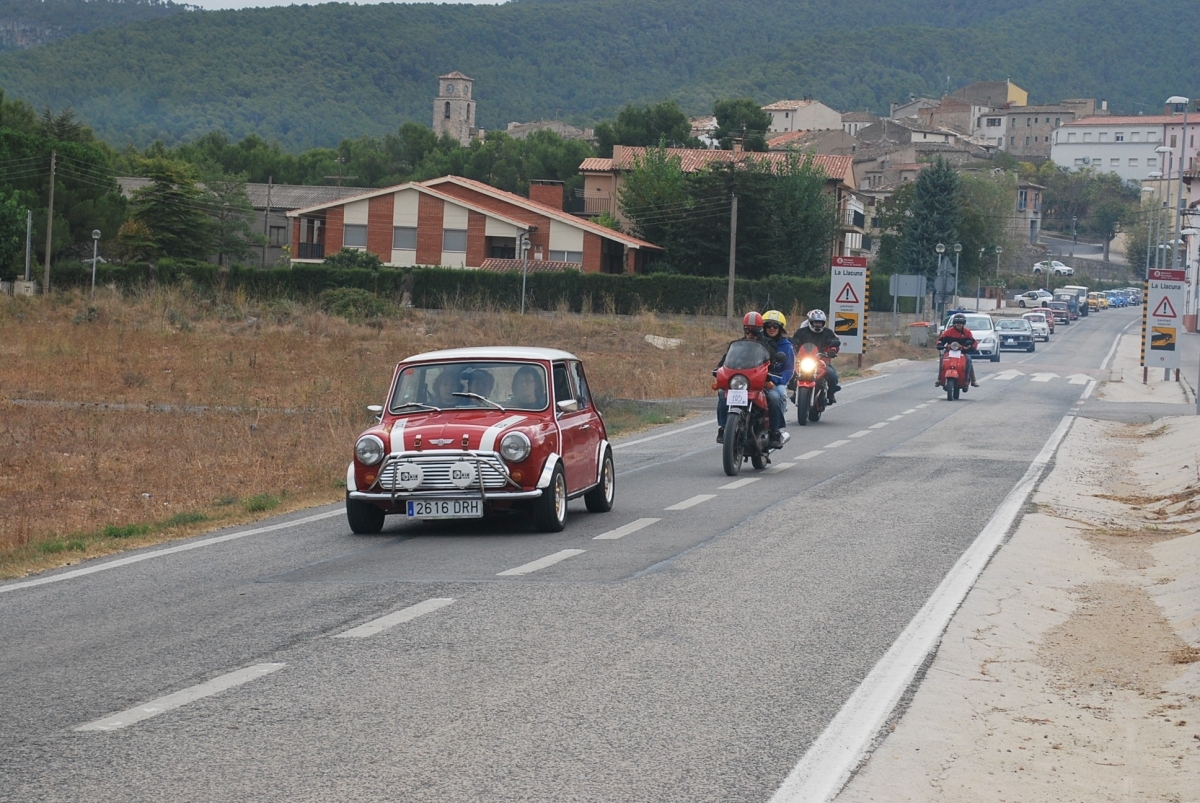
<point x="999" y="251"/>
<point x="939" y="284"/>
<point x="95" y="256"/>
<point x="957" y="251"/>
<point x="1149" y="241"/>
<point x="979" y="278"/>
<point x="522" y="251"/>
<point x="1074" y="237"/>
<point x="1179" y="101"/>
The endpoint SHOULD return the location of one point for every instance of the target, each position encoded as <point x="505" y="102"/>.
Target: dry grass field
<point x="127" y="420"/>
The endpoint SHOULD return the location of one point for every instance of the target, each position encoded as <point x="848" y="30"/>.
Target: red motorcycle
<point x="743" y="378"/>
<point x="811" y="391"/>
<point x="952" y="371"/>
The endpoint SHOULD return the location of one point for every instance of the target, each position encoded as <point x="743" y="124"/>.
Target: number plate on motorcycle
<point x="737" y="398"/>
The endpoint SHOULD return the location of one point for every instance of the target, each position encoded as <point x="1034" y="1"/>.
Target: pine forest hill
<point x="308" y="76"/>
<point x="28" y="23"/>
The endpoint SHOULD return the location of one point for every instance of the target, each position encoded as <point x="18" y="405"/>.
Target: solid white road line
<point x="695" y="500"/>
<point x="825" y="768"/>
<point x="810" y="455"/>
<point x="179" y="698"/>
<point x="1088" y="390"/>
<point x="710" y="422"/>
<point x="739" y="483"/>
<point x="220" y="539"/>
<point x="778" y="467"/>
<point x="541" y="563"/>
<point x="881" y="424"/>
<point x="621" y="532"/>
<point x="836" y="444"/>
<point x="859" y="434"/>
<point x="396" y="618"/>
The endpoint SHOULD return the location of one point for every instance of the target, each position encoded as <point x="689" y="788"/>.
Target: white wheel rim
<point x="560" y="497"/>
<point x="609" y="485"/>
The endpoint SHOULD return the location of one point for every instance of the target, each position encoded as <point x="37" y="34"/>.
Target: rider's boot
<point x="776" y="441"/>
<point x="720" y="434"/>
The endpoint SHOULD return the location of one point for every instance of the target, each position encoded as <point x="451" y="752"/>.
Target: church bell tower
<point x="454" y="109"/>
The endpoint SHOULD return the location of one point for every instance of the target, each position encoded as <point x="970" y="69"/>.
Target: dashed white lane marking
<point x="707" y="423"/>
<point x="695" y="500"/>
<point x="919" y="406"/>
<point x="621" y="532"/>
<point x="739" y="483"/>
<point x="910" y="410"/>
<point x="859" y="434"/>
<point x="836" y="444"/>
<point x="775" y="469"/>
<point x="396" y="618"/>
<point x="896" y="418"/>
<point x="179" y="698"/>
<point x="810" y="455"/>
<point x="880" y="425"/>
<point x="931" y="401"/>
<point x="541" y="563"/>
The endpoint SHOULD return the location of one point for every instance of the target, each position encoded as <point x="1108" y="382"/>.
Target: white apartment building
<point x="802" y="115"/>
<point x="1125" y="145"/>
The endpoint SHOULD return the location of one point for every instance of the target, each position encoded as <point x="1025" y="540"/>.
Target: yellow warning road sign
<point x="1162" y="338"/>
<point x="845" y="324"/>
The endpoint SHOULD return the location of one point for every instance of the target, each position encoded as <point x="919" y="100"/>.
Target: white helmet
<point x="816" y="320"/>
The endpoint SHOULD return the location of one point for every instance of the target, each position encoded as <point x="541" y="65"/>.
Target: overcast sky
<point x="216" y="4"/>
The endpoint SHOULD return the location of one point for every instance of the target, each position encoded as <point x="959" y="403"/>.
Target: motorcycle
<point x="743" y="376"/>
<point x="811" y="391"/>
<point x="952" y="371"/>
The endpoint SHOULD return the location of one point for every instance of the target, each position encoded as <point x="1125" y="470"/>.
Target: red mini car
<point x="469" y="431"/>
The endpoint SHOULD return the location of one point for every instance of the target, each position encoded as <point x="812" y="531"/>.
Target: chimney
<point x="549" y="193"/>
<point x="737" y="146"/>
<point x="1104" y="105"/>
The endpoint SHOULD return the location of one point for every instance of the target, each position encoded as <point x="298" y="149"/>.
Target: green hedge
<point x="436" y="288"/>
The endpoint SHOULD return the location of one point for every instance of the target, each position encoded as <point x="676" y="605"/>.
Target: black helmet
<point x="959" y="319"/>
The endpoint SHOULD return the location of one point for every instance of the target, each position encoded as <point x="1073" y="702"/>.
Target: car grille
<point x="435" y="468"/>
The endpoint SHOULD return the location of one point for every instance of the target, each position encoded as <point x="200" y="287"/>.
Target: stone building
<point x="454" y="109"/>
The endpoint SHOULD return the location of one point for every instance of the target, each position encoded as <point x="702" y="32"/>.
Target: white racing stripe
<point x="396" y="618"/>
<point x="397" y="437"/>
<point x="487" y="442"/>
<point x="825" y="768"/>
<point x="695" y="500"/>
<point x="621" y="532"/>
<point x="541" y="563"/>
<point x="220" y="539"/>
<point x="739" y="483"/>
<point x="180" y="698"/>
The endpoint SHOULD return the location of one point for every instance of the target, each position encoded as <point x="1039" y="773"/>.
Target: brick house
<point x="459" y="223"/>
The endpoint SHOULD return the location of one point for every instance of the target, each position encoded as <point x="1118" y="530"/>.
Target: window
<point x="1021" y="199"/>
<point x="1152" y="136"/>
<point x="1012" y="141"/>
<point x="1057" y="122"/>
<point x="562" y="384"/>
<point x="279" y="235"/>
<point x="1135" y="136"/>
<point x="1026" y="142"/>
<point x="1087" y="136"/>
<point x="1071" y="136"/>
<point x="354" y="236"/>
<point x="454" y="240"/>
<point x="1119" y="136"/>
<point x="447" y="112"/>
<point x="1079" y="161"/>
<point x="585" y="396"/>
<point x="1103" y="136"/>
<point x="404" y="238"/>
<point x="1097" y="161"/>
<point x="1114" y="162"/>
<point x="575" y="257"/>
<point x="1173" y="140"/>
<point x="993" y="122"/>
<point x="1028" y="122"/>
<point x="1133" y="161"/>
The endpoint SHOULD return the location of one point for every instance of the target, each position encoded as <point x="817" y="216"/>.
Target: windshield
<point x="1021" y="325"/>
<point x="511" y="385"/>
<point x="746" y="354"/>
<point x="976" y="323"/>
<point x="1036" y="318"/>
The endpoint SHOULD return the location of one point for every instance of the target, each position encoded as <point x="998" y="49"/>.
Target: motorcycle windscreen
<point x="746" y="354"/>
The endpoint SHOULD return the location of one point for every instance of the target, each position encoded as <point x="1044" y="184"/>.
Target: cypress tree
<point x="936" y="216"/>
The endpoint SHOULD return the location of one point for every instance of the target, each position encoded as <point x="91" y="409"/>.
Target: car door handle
<point x="586" y="426"/>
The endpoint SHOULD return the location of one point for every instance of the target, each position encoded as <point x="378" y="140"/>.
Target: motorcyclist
<point x="752" y="327"/>
<point x="957" y="332"/>
<point x="815" y="331"/>
<point x="775" y="330"/>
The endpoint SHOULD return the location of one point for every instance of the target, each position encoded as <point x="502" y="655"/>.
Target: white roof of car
<point x="493" y="353"/>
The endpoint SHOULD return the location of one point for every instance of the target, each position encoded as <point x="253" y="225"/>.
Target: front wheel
<point x="816" y="407"/>
<point x="803" y="397"/>
<point x="363" y="518"/>
<point x="731" y="453"/>
<point x="1032" y="346"/>
<point x="995" y="357"/>
<point x="550" y="509"/>
<point x="951" y="389"/>
<point x="600" y="499"/>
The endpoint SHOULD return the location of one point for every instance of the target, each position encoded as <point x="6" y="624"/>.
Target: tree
<point x="1112" y="204"/>
<point x="987" y="203"/>
<point x="353" y="259"/>
<point x="233" y="237"/>
<point x="174" y="210"/>
<point x="741" y="118"/>
<point x="12" y="228"/>
<point x="936" y="216"/>
<point x="646" y="126"/>
<point x="655" y="198"/>
<point x="805" y="218"/>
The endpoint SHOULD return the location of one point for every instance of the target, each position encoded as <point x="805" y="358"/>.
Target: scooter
<point x="743" y="376"/>
<point x="811" y="391"/>
<point x="952" y="371"/>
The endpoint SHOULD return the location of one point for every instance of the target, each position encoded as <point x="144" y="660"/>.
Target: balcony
<point x="311" y="251"/>
<point x="591" y="206"/>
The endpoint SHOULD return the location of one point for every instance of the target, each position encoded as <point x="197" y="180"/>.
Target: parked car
<point x="1060" y="312"/>
<point x="466" y="432"/>
<point x="984" y="329"/>
<point x="1040" y="324"/>
<point x="1015" y="333"/>
<point x="1097" y="301"/>
<point x="1053" y="266"/>
<point x="1033" y="298"/>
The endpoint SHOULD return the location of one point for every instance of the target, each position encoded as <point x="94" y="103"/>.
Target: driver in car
<point x="958" y="332"/>
<point x="527" y="389"/>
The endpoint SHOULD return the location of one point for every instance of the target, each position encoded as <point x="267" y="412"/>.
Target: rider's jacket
<point x="826" y="341"/>
<point x="955" y="335"/>
<point x="784" y="346"/>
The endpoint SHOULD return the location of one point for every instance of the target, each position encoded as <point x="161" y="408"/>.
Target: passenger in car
<point x="447" y="383"/>
<point x="528" y="389"/>
<point x="480" y="382"/>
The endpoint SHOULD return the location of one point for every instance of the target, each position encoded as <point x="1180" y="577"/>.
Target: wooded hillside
<point x="313" y="75"/>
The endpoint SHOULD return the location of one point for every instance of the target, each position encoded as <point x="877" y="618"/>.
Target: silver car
<point x="984" y="329"/>
<point x="1041" y="329"/>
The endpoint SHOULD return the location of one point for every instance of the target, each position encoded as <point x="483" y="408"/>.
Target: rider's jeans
<point x="774" y="406"/>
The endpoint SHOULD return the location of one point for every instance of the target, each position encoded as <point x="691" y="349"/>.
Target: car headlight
<point x="369" y="450"/>
<point x="808" y="365"/>
<point x="514" y="447"/>
<point x="987" y="341"/>
<point x="738" y="382"/>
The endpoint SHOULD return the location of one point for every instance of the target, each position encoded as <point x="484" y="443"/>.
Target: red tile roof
<point x="692" y="160"/>
<point x="783" y="139"/>
<point x="787" y="105"/>
<point x="596" y="164"/>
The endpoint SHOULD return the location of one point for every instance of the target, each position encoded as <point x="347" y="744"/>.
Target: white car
<point x="983" y="328"/>
<point x="1053" y="266"/>
<point x="1033" y="298"/>
<point x="1041" y="329"/>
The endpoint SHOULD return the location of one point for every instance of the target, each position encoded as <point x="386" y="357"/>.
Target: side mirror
<point x="568" y="406"/>
<point x="376" y="410"/>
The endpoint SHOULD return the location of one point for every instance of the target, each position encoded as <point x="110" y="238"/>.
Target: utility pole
<point x="732" y="259"/>
<point x="267" y="224"/>
<point x="49" y="226"/>
<point x="28" y="240"/>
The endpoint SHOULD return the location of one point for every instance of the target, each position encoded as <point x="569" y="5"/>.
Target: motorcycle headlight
<point x="738" y="382"/>
<point x="368" y="450"/>
<point x="514" y="447"/>
<point x="808" y="365"/>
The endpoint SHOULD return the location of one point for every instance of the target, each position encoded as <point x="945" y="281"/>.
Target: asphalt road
<point x="687" y="646"/>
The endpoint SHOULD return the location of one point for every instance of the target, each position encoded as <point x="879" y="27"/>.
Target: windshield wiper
<point x="483" y="399"/>
<point x="416" y="404"/>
